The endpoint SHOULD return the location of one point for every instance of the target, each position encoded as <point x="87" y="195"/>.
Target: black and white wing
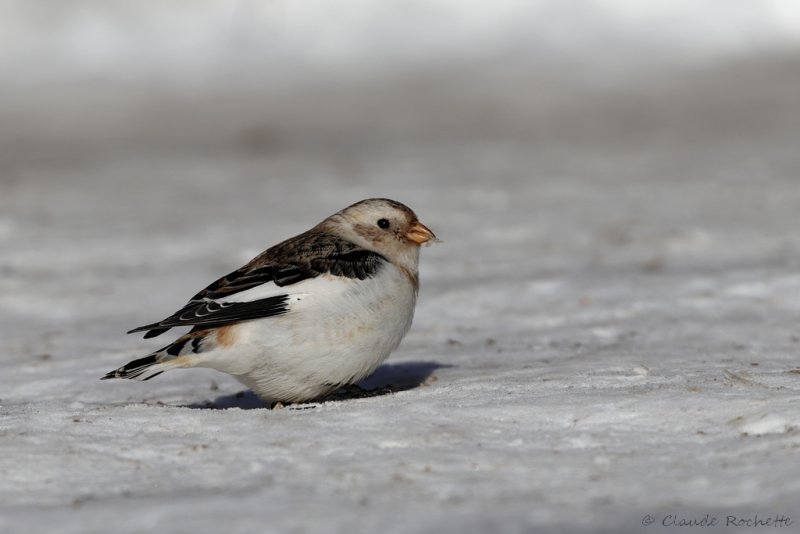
<point x="234" y="297"/>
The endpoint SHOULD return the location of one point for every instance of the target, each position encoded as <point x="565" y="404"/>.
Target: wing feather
<point x="211" y="314"/>
<point x="306" y="256"/>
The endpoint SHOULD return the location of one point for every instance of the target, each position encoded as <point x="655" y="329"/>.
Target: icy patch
<point x="768" y="424"/>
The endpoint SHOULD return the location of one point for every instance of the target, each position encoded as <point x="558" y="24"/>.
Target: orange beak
<point x="419" y="234"/>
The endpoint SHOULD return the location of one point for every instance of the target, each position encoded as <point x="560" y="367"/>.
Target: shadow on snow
<point x="387" y="379"/>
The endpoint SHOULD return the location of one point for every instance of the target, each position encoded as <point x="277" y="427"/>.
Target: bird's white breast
<point x="337" y="331"/>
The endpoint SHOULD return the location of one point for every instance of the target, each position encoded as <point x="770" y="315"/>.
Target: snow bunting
<point x="321" y="310"/>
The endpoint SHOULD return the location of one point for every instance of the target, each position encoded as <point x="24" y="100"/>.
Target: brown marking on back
<point x="182" y="361"/>
<point x="198" y="333"/>
<point x="226" y="335"/>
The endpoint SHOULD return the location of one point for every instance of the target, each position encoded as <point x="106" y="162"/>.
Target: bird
<point x="319" y="311"/>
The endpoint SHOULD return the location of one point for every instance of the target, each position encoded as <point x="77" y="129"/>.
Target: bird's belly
<point x="325" y="342"/>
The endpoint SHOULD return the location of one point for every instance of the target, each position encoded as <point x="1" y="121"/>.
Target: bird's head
<point x="384" y="226"/>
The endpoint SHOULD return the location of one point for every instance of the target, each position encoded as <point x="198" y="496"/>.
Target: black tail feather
<point x="153" y="376"/>
<point x="151" y="331"/>
<point x="155" y="332"/>
<point x="132" y="369"/>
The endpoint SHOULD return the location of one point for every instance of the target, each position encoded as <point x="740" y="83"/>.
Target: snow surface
<point x="608" y="332"/>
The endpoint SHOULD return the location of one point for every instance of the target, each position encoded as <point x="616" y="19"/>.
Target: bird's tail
<point x="172" y="356"/>
<point x="141" y="369"/>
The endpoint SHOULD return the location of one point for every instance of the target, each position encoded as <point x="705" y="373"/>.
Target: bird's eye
<point x="383" y="223"/>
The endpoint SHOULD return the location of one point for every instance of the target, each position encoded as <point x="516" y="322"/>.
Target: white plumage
<point x="335" y="333"/>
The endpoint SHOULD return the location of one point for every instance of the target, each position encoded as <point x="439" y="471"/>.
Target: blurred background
<point x="549" y="136"/>
<point x="616" y="185"/>
<point x="277" y="77"/>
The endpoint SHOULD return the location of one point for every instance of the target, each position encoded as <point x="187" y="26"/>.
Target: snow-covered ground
<point x="608" y="333"/>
